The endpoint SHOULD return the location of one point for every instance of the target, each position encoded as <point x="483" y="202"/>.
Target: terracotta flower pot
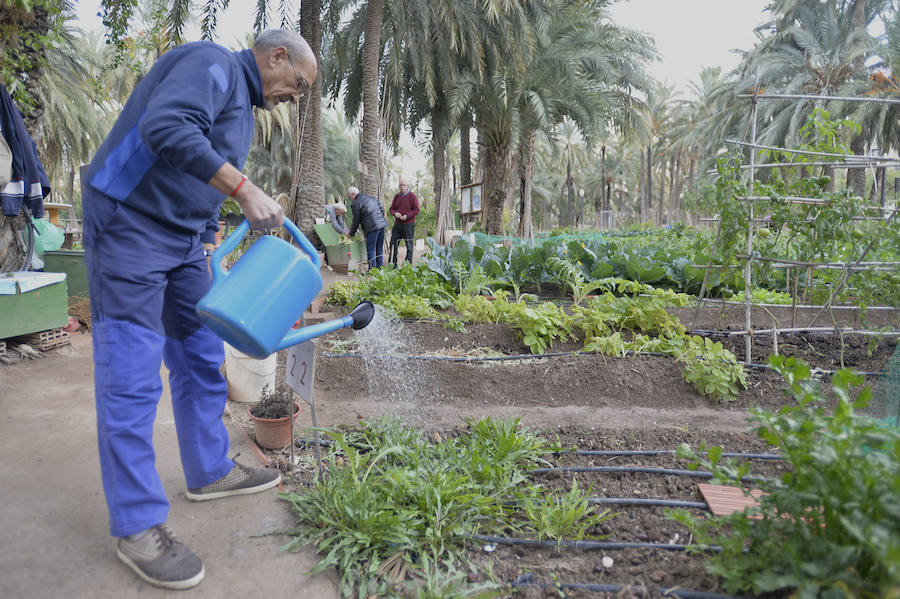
<point x="273" y="433"/>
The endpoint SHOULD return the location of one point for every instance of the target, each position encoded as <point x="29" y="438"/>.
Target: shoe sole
<point x="243" y="491"/>
<point x="178" y="585"/>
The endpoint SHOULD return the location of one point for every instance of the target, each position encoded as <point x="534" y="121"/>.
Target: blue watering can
<point x="254" y="305"/>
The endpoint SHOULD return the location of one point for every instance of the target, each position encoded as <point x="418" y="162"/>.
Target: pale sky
<point x="691" y="34"/>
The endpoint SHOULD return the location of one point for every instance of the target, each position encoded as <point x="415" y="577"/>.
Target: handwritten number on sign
<point x="293" y="363"/>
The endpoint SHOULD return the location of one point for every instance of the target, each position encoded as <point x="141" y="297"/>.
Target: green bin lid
<point x="327" y="234"/>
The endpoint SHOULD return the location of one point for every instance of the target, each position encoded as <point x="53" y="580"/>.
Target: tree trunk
<point x="856" y="177"/>
<point x="440" y="134"/>
<point x="498" y="174"/>
<point x="308" y="189"/>
<point x="646" y="216"/>
<point x="465" y="155"/>
<point x="526" y="175"/>
<point x="371" y="121"/>
<point x="570" y="195"/>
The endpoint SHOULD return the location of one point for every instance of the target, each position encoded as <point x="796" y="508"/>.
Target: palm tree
<point x="585" y="71"/>
<point x="816" y="48"/>
<point x="24" y="29"/>
<point x="74" y="123"/>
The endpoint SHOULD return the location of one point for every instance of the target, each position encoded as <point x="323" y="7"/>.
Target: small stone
<point x="637" y="491"/>
<point x="607" y="561"/>
<point x="472" y="577"/>
<point x="636" y="561"/>
<point x="658" y="576"/>
<point x="642" y="536"/>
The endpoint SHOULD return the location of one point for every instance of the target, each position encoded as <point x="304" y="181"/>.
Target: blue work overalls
<point x="146" y="203"/>
<point x="145" y="280"/>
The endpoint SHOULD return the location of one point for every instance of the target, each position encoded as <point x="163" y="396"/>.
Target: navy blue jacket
<point x="368" y="211"/>
<point x="28" y="182"/>
<point x="190" y="114"/>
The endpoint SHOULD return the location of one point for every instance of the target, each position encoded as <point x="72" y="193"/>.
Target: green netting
<point x="886" y="399"/>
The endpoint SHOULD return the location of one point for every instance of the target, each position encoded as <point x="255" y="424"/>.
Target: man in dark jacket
<point x="368" y="212"/>
<point x="404" y="209"/>
<point x="151" y="198"/>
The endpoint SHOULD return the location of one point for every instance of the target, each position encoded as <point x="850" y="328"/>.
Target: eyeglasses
<point x="302" y="86"/>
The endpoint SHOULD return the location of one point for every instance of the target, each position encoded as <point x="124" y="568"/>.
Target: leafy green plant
<point x="711" y="369"/>
<point x="830" y="526"/>
<point x="569" y="517"/>
<point x="395" y="510"/>
<point x="407" y="306"/>
<point x="764" y="296"/>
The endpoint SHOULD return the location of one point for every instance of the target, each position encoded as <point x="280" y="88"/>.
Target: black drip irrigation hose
<point x="666" y="593"/>
<point x="699" y="505"/>
<point x="455" y="359"/>
<point x="473" y="359"/>
<point x="591" y="545"/>
<point x="650" y="452"/>
<point x="666" y="471"/>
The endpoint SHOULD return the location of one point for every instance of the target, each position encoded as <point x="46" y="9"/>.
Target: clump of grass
<point x="395" y="509"/>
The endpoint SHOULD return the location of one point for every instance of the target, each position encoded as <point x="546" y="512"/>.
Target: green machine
<point x="340" y="256"/>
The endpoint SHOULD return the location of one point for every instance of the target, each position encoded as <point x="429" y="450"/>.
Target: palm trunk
<point x="498" y="173"/>
<point x="371" y="121"/>
<point x="526" y="175"/>
<point x="649" y="181"/>
<point x="465" y="155"/>
<point x="856" y="177"/>
<point x="570" y="195"/>
<point x="440" y="134"/>
<point x="307" y="189"/>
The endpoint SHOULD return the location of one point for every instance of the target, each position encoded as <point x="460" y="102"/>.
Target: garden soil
<point x="57" y="539"/>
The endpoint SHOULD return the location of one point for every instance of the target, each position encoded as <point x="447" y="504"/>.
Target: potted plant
<point x="271" y="418"/>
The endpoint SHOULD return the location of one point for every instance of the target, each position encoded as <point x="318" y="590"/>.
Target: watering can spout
<point x="360" y="316"/>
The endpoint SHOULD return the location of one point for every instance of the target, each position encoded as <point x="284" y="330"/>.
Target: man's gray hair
<point x="272" y="38"/>
<point x="353" y="190"/>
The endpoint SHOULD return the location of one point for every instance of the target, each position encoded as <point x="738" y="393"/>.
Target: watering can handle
<point x="231" y="242"/>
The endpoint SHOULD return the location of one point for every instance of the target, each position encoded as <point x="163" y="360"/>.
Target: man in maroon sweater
<point x="404" y="209"/>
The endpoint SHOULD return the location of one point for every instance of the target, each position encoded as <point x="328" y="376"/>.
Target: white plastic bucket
<point x="247" y="377"/>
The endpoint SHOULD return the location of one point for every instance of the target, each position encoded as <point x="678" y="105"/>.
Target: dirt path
<point x="57" y="537"/>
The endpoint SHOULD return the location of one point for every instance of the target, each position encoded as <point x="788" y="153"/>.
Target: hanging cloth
<point x="28" y="183"/>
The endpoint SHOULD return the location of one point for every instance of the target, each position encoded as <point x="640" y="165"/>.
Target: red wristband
<point x="235" y="190"/>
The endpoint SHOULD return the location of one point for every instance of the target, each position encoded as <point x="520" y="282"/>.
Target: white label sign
<point x="300" y="369"/>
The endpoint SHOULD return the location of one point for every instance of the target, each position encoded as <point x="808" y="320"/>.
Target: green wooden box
<point x="70" y="262"/>
<point x="31" y="302"/>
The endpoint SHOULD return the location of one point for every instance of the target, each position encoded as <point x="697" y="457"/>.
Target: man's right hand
<point x="261" y="210"/>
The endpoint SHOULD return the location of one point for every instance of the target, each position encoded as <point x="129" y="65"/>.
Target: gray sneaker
<point x="240" y="481"/>
<point x="159" y="558"/>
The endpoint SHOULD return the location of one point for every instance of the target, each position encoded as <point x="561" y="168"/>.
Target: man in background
<point x="334" y="213"/>
<point x="368" y="213"/>
<point x="404" y="209"/>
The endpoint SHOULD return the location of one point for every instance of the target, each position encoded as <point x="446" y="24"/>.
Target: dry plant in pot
<point x="270" y="417"/>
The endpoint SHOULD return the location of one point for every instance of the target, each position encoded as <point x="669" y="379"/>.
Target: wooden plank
<point x="724" y="500"/>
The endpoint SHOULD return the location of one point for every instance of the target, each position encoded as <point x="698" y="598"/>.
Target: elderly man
<point x="151" y="196"/>
<point x="404" y="208"/>
<point x="368" y="212"/>
<point x="334" y="213"/>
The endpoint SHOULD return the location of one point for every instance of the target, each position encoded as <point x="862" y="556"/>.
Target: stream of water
<point x="405" y="387"/>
